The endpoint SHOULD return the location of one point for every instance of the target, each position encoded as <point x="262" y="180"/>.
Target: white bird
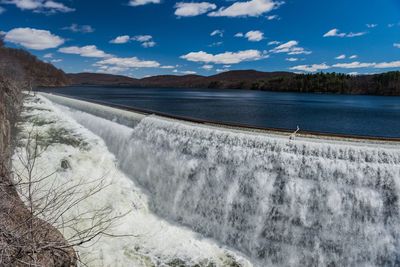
<point x="293" y="135"/>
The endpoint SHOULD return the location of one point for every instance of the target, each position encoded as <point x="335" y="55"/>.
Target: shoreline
<point x="135" y="86"/>
<point x="241" y="127"/>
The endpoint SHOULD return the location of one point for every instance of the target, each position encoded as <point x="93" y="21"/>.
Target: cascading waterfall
<point x="281" y="202"/>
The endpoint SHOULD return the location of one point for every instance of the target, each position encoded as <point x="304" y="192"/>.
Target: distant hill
<point x="86" y="78"/>
<point x="23" y="66"/>
<point x="230" y="79"/>
<point x="237" y="75"/>
<point x="337" y="83"/>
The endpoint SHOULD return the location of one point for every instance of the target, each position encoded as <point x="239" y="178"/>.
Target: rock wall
<point x="17" y="239"/>
<point x="10" y="100"/>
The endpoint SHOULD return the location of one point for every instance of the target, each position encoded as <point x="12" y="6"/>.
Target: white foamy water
<point x="286" y="203"/>
<point x="149" y="240"/>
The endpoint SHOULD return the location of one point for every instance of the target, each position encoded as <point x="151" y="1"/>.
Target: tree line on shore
<point x="335" y="83"/>
<point x="338" y="83"/>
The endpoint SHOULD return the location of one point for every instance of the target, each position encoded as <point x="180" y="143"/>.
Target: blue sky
<point x="150" y="37"/>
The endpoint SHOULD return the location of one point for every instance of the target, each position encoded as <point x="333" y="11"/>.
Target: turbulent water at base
<point x="298" y="203"/>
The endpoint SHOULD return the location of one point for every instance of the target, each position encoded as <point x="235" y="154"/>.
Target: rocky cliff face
<point x="10" y="101"/>
<point x="20" y="231"/>
<point x="18" y="228"/>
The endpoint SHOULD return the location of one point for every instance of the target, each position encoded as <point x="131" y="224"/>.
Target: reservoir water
<point x="377" y="116"/>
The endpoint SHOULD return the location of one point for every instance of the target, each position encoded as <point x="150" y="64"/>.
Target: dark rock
<point x="65" y="164"/>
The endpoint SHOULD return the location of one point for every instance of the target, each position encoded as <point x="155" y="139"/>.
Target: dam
<point x="282" y="202"/>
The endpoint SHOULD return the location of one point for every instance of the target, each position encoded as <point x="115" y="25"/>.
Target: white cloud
<point x="111" y="69"/>
<point x="168" y="67"/>
<point x="48" y="55"/>
<point x="207" y="67"/>
<point x="85" y="51"/>
<point x="132" y="62"/>
<point x="145" y="40"/>
<point x="299" y="51"/>
<point x="351" y="65"/>
<point x="57" y="7"/>
<point x="273" y="17"/>
<point x="353" y="56"/>
<point x="254" y="36"/>
<point x="397" y="45"/>
<point x="334" y="33"/>
<point x="292" y="59"/>
<point x="79" y="28"/>
<point x="142" y="38"/>
<point x="337" y="33"/>
<point x="354" y="65"/>
<point x="274" y="43"/>
<point x="224" y="58"/>
<point x="48" y="6"/>
<point x="2" y="10"/>
<point x="33" y="38"/>
<point x="56" y="60"/>
<point x="188" y="72"/>
<point x="341" y="57"/>
<point x="221" y="70"/>
<point x="149" y="44"/>
<point x="384" y="65"/>
<point x="220" y="33"/>
<point x="215" y="44"/>
<point x="143" y="2"/>
<point x="371" y="25"/>
<point x="290" y="48"/>
<point x="120" y="39"/>
<point x="193" y="9"/>
<point x="311" y="68"/>
<point x="25" y="4"/>
<point x="284" y="48"/>
<point x="355" y="34"/>
<point x="252" y="8"/>
<point x="353" y="73"/>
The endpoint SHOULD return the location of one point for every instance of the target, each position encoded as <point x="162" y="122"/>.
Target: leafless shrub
<point x="51" y="202"/>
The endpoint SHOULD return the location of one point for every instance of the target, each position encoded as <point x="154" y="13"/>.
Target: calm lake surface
<point x="340" y="114"/>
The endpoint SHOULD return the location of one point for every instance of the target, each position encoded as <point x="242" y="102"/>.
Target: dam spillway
<point x="303" y="202"/>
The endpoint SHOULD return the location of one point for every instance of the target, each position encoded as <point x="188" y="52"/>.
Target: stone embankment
<point x="20" y="232"/>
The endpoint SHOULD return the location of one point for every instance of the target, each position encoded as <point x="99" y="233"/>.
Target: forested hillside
<point x="337" y="83"/>
<point x="377" y="84"/>
<point x="25" y="67"/>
